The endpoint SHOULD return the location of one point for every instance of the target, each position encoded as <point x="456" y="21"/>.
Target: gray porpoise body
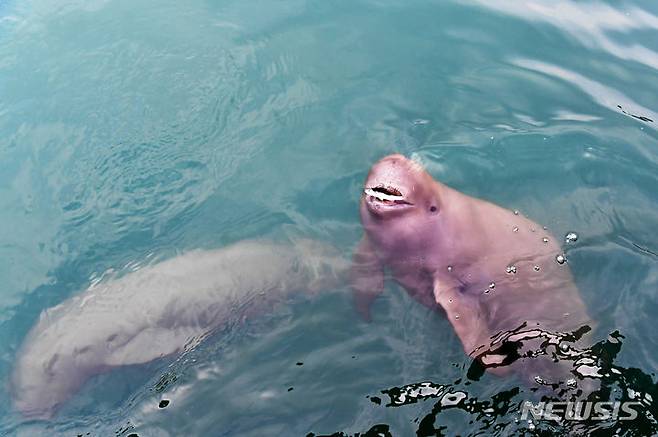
<point x="153" y="312"/>
<point x="490" y="270"/>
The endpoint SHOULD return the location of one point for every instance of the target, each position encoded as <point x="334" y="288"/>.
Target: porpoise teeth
<point x="382" y="196"/>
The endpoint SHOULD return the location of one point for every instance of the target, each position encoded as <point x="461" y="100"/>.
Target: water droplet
<point x="492" y="285"/>
<point x="545" y="240"/>
<point x="536" y="268"/>
<point x="571" y="237"/>
<point x="516" y="212"/>
<point x="561" y="259"/>
<point x="450" y="268"/>
<point x="516" y="229"/>
<point x="511" y="270"/>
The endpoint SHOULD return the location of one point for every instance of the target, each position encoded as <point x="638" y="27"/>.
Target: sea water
<point x="131" y="131"/>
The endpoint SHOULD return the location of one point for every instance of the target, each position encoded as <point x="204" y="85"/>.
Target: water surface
<point x="135" y="130"/>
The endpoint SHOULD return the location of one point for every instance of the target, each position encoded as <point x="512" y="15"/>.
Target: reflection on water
<point x="590" y="23"/>
<point x="509" y="412"/>
<point x="605" y="96"/>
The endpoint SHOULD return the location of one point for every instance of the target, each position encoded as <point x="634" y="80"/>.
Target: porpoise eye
<point x="432" y="208"/>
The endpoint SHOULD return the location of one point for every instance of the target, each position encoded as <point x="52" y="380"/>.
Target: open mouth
<point x="386" y="195"/>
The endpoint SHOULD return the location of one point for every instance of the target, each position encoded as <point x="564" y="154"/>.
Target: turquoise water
<point x="138" y="129"/>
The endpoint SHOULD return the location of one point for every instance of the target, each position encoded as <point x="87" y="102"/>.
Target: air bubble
<point x="516" y="229"/>
<point x="516" y="212"/>
<point x="492" y="285"/>
<point x="571" y="237"/>
<point x="457" y="317"/>
<point x="571" y="383"/>
<point x="536" y="268"/>
<point x="545" y="240"/>
<point x="539" y="380"/>
<point x="511" y="270"/>
<point x="531" y="426"/>
<point x="561" y="259"/>
<point x="450" y="268"/>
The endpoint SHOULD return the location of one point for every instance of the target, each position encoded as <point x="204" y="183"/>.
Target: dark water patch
<point x="645" y="250"/>
<point x="375" y="399"/>
<point x="165" y="380"/>
<point x="639" y="117"/>
<point x="380" y="430"/>
<point x="623" y="401"/>
<point x="125" y="429"/>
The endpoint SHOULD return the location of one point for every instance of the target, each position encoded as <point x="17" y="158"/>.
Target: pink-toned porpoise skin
<point x="160" y="310"/>
<point x="490" y="269"/>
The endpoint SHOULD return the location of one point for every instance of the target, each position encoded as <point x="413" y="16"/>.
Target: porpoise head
<point x="399" y="201"/>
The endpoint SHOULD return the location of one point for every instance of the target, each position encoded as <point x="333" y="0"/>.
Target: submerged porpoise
<point x="155" y="311"/>
<point x="492" y="271"/>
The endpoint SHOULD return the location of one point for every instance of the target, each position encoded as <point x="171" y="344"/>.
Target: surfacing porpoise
<point x="495" y="273"/>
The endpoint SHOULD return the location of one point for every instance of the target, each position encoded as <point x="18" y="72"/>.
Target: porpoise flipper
<point x="464" y="312"/>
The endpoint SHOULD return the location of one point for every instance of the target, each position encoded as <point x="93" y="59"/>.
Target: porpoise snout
<point x="389" y="185"/>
